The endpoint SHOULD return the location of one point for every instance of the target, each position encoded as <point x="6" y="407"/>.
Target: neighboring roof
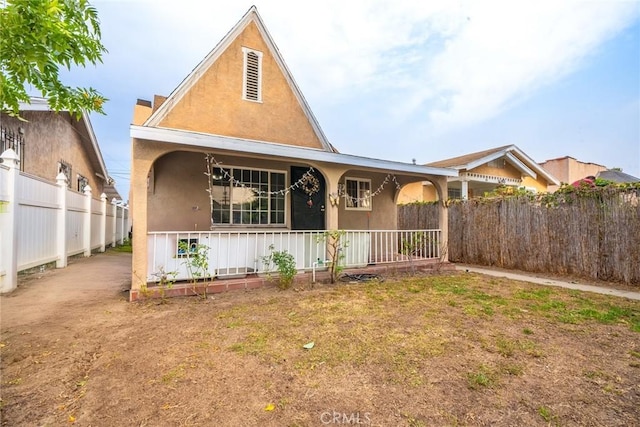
<point x="574" y="159"/>
<point x="513" y="154"/>
<point x="41" y="104"/>
<point x="281" y="151"/>
<point x="251" y="16"/>
<point x="617" y="176"/>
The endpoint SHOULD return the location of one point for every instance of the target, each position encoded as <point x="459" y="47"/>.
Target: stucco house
<point x="233" y="160"/>
<point x="482" y="172"/>
<point x="48" y="143"/>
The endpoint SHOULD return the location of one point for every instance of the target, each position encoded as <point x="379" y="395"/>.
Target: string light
<point x="300" y="183"/>
<point x="236" y="183"/>
<point x="360" y="200"/>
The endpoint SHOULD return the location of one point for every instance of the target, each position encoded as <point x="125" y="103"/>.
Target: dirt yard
<point x="456" y="349"/>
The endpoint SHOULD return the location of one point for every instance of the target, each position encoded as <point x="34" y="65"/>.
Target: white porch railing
<point x="237" y="253"/>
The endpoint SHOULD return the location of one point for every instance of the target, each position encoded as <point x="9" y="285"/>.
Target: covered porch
<point x="237" y="200"/>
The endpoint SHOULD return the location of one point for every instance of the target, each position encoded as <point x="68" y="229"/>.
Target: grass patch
<point x="483" y="377"/>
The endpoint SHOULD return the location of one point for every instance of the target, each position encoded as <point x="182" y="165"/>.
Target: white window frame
<point x="271" y="208"/>
<point x="348" y="198"/>
<point x="245" y="53"/>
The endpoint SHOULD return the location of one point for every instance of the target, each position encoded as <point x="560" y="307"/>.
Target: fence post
<point x="86" y="238"/>
<point x="61" y="222"/>
<point x="103" y="222"/>
<point x="114" y="234"/>
<point x="8" y="228"/>
<point x="122" y="228"/>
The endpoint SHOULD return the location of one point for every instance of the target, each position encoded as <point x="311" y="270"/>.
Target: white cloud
<point x="511" y="48"/>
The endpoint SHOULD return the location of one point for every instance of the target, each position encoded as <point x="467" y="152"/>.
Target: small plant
<point x="412" y="245"/>
<point x="166" y="279"/>
<point x="285" y="264"/>
<point x="335" y="245"/>
<point x="546" y="413"/>
<point x="196" y="259"/>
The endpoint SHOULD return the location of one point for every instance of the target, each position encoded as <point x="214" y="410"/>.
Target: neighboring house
<point x="569" y="170"/>
<point x="482" y="172"/>
<point x="56" y="198"/>
<point x="617" y="176"/>
<point x="48" y="143"/>
<point x="233" y="160"/>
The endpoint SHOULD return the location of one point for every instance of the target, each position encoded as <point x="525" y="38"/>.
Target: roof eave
<point x="281" y="151"/>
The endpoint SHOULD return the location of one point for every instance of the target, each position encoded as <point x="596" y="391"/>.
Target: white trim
<point x="347" y="197"/>
<point x="282" y="151"/>
<point x="514" y="155"/>
<point x="520" y="166"/>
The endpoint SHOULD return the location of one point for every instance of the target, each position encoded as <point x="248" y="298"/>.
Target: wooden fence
<point x="595" y="235"/>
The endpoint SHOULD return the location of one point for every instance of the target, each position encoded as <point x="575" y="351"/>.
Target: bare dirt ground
<point x="456" y="349"/>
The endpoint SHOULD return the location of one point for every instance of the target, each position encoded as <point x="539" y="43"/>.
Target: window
<point x="82" y="182"/>
<point x="65" y="168"/>
<point x="10" y="139"/>
<point x="252" y="75"/>
<point x="454" y="193"/>
<point x="358" y="193"/>
<point x="247" y="196"/>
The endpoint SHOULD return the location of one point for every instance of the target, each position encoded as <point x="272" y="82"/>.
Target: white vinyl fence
<point x="41" y="222"/>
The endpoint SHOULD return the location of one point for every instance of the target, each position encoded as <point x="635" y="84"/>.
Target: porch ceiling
<point x="280" y="151"/>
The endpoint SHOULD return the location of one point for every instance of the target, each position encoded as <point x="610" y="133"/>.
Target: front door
<point x="307" y="200"/>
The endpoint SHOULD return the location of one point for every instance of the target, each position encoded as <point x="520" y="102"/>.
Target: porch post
<point x="333" y="199"/>
<point x="8" y="226"/>
<point x="465" y="189"/>
<point x="443" y="217"/>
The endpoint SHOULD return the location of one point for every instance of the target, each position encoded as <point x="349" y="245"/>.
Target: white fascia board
<point x="520" y="165"/>
<point x="485" y="159"/>
<point x="281" y="151"/>
<point x="539" y="169"/>
<point x="94" y="143"/>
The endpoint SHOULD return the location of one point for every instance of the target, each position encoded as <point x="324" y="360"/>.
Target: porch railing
<point x="238" y="253"/>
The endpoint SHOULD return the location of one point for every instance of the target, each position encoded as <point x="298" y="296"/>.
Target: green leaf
<point x="309" y="345"/>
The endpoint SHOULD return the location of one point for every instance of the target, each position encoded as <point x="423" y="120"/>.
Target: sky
<point x="402" y="80"/>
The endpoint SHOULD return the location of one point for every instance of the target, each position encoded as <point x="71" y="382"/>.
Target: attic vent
<point x="252" y="87"/>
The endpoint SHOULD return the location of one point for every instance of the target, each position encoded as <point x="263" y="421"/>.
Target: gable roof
<point x="251" y="16"/>
<point x="90" y="143"/>
<point x="511" y="153"/>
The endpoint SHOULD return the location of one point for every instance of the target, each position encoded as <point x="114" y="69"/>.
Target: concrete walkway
<point x="531" y="278"/>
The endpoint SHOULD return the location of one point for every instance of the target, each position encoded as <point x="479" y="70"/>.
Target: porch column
<point x="143" y="158"/>
<point x="332" y="203"/>
<point x="443" y="216"/>
<point x="465" y="189"/>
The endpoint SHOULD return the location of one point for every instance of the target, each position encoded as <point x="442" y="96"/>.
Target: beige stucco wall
<point x="214" y="104"/>
<point x="51" y="137"/>
<point x="568" y="169"/>
<point x="384" y="212"/>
